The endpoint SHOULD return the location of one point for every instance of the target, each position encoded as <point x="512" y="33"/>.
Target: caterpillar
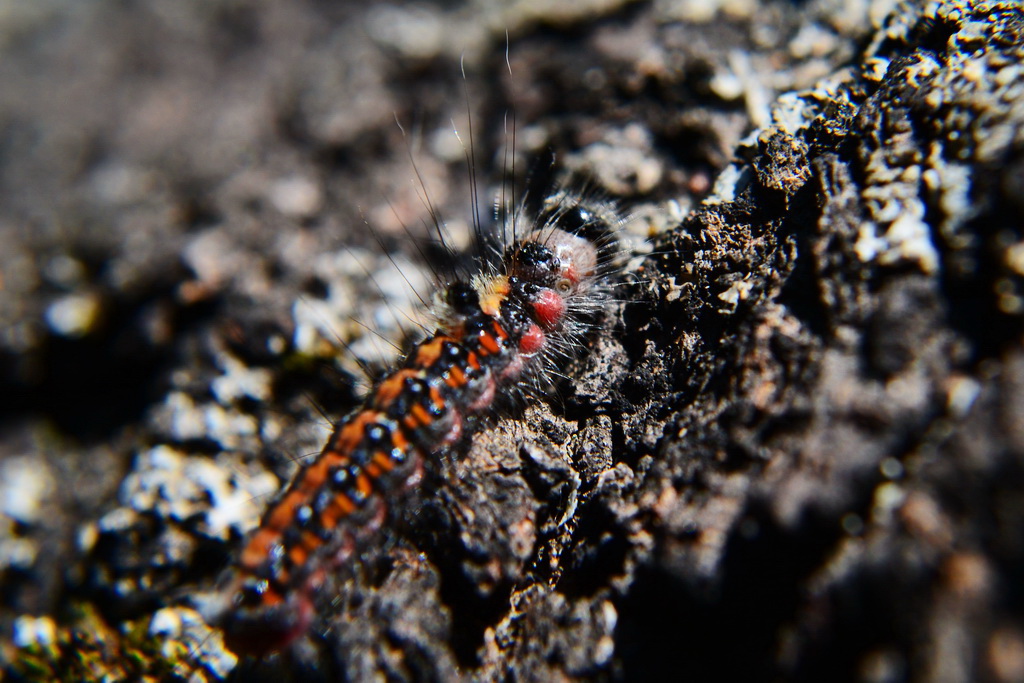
<point x="513" y="324"/>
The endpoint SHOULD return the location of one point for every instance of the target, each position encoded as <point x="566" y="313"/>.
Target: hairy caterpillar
<point x="513" y="323"/>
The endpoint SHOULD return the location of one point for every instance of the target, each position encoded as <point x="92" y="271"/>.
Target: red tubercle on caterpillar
<point x="532" y="341"/>
<point x="549" y="308"/>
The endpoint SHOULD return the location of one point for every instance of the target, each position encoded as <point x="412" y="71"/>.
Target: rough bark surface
<point x="795" y="450"/>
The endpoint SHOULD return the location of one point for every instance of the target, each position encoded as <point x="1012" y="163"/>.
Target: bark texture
<point x="795" y="450"/>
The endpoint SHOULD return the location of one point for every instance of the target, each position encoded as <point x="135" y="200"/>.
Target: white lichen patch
<point x="25" y="484"/>
<point x="177" y="487"/>
<point x="187" y="420"/>
<point x="909" y="239"/>
<point x="239" y="380"/>
<point x="792" y="112"/>
<point x="35" y="631"/>
<point x="184" y="627"/>
<point x="74" y="315"/>
<point x="737" y="292"/>
<point x="623" y="162"/>
<point x="365" y="292"/>
<point x="297" y="197"/>
<point x="729" y="183"/>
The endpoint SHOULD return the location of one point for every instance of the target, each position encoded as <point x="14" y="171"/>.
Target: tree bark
<point x="794" y="448"/>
